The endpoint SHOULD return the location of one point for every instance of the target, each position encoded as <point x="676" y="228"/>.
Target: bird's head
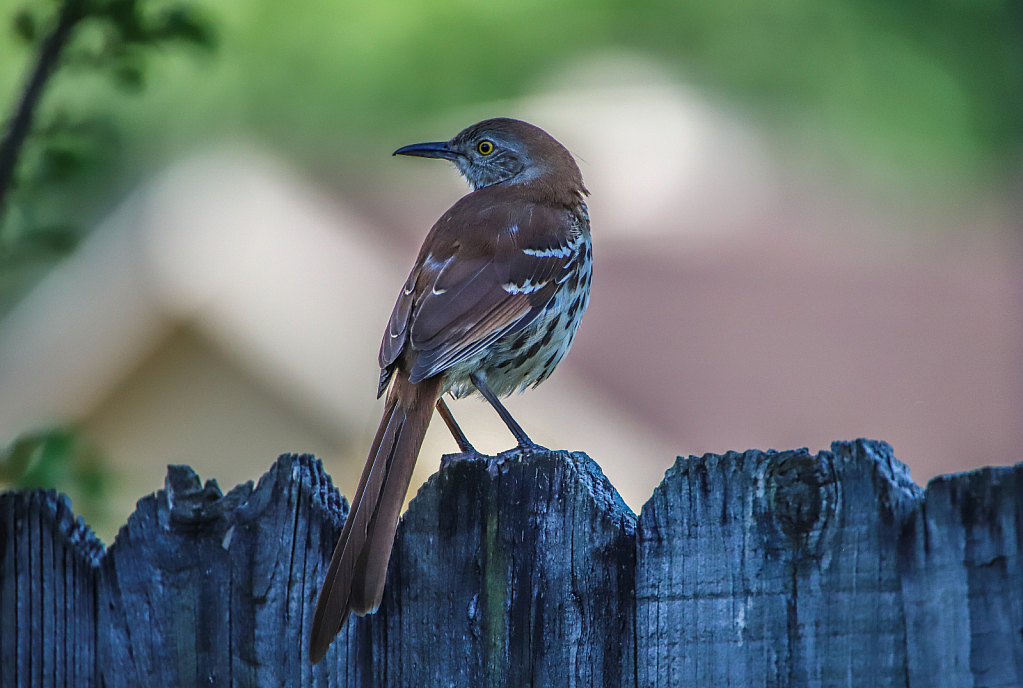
<point x="505" y="151"/>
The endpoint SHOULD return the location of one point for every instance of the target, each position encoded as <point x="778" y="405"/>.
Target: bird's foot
<point x="467" y="454"/>
<point x="493" y="462"/>
<point x="529" y="447"/>
<point x="521" y="450"/>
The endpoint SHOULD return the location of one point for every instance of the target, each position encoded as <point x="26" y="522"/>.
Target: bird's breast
<point x="528" y="356"/>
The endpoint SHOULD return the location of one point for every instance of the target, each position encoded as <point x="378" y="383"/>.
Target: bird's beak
<point x="438" y="149"/>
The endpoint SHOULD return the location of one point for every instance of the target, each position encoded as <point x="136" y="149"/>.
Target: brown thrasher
<point x="491" y="306"/>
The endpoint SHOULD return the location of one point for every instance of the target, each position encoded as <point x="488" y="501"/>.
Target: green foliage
<point x="59" y="459"/>
<point x="119" y="34"/>
<point x="928" y="84"/>
<point x="68" y="162"/>
<point x="24" y="25"/>
<point x="63" y="172"/>
<point x="931" y="87"/>
<point x="59" y="161"/>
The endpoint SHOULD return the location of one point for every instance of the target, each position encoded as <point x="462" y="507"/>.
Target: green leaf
<point x="24" y="25"/>
<point x="57" y="241"/>
<point x="37" y="245"/>
<point x="38" y="459"/>
<point x="185" y="23"/>
<point x="15" y="459"/>
<point x="129" y="76"/>
<point x="59" y="458"/>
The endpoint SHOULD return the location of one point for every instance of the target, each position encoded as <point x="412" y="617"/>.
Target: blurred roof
<point x="736" y="303"/>
<point x="283" y="280"/>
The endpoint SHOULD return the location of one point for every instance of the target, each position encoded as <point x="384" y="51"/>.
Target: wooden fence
<point x="753" y="569"/>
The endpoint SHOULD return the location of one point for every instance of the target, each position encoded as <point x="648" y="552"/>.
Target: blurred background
<point x="807" y="221"/>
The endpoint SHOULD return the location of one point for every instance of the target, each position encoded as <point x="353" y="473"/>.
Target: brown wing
<point x="396" y="332"/>
<point x="483" y="272"/>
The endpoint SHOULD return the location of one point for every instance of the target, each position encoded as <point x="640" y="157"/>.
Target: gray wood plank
<point x="10" y="555"/>
<point x="753" y="569"/>
<point x="203" y="588"/>
<point x="8" y="613"/>
<point x="59" y="637"/>
<point x="40" y="612"/>
<point x="774" y="569"/>
<point x="514" y="573"/>
<point x="963" y="581"/>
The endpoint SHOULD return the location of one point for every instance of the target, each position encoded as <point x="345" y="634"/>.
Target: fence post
<point x="509" y="575"/>
<point x="48" y="574"/>
<point x="201" y="588"/>
<point x="774" y="569"/>
<point x="753" y="569"/>
<point x="963" y="580"/>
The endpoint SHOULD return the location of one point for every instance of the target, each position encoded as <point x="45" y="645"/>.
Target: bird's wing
<point x="457" y="301"/>
<point x="396" y="332"/>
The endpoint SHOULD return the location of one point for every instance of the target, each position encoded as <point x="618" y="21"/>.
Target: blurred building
<point x="229" y="312"/>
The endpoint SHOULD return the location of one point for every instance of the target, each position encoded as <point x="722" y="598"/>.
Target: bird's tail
<point x="355" y="579"/>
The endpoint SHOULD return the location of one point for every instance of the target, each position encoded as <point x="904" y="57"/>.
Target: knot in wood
<point x="800" y="493"/>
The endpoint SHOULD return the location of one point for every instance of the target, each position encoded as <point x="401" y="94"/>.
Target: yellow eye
<point x="485" y="147"/>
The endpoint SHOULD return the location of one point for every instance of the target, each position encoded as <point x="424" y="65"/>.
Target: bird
<point x="491" y="306"/>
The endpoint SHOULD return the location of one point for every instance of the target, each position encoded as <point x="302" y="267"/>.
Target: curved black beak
<point x="438" y="149"/>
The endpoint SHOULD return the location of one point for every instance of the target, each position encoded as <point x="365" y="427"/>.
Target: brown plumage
<point x="491" y="306"/>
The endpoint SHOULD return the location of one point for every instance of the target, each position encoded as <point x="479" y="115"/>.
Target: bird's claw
<point x="529" y="447"/>
<point x="465" y="455"/>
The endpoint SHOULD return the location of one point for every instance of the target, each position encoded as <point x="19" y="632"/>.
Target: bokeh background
<point x="807" y="220"/>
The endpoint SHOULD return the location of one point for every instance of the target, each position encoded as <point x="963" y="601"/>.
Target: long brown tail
<point x="355" y="579"/>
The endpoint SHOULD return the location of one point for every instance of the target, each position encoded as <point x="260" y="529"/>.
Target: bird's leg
<point x="524" y="443"/>
<point x="449" y="420"/>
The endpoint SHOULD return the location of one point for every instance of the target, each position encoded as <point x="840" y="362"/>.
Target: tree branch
<point x="72" y="11"/>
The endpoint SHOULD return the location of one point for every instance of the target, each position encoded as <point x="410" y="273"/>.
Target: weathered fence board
<point x="48" y="565"/>
<point x="774" y="569"/>
<point x="204" y="589"/>
<point x="962" y="581"/>
<point x="515" y="575"/>
<point x="753" y="569"/>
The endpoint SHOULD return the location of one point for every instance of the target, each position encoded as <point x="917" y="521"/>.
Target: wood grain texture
<point x="774" y="569"/>
<point x="48" y="573"/>
<point x="963" y="581"/>
<point x="201" y="588"/>
<point x="752" y="569"/>
<point x="511" y="574"/>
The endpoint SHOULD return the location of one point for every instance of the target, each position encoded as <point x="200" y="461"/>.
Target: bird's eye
<point x="485" y="147"/>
